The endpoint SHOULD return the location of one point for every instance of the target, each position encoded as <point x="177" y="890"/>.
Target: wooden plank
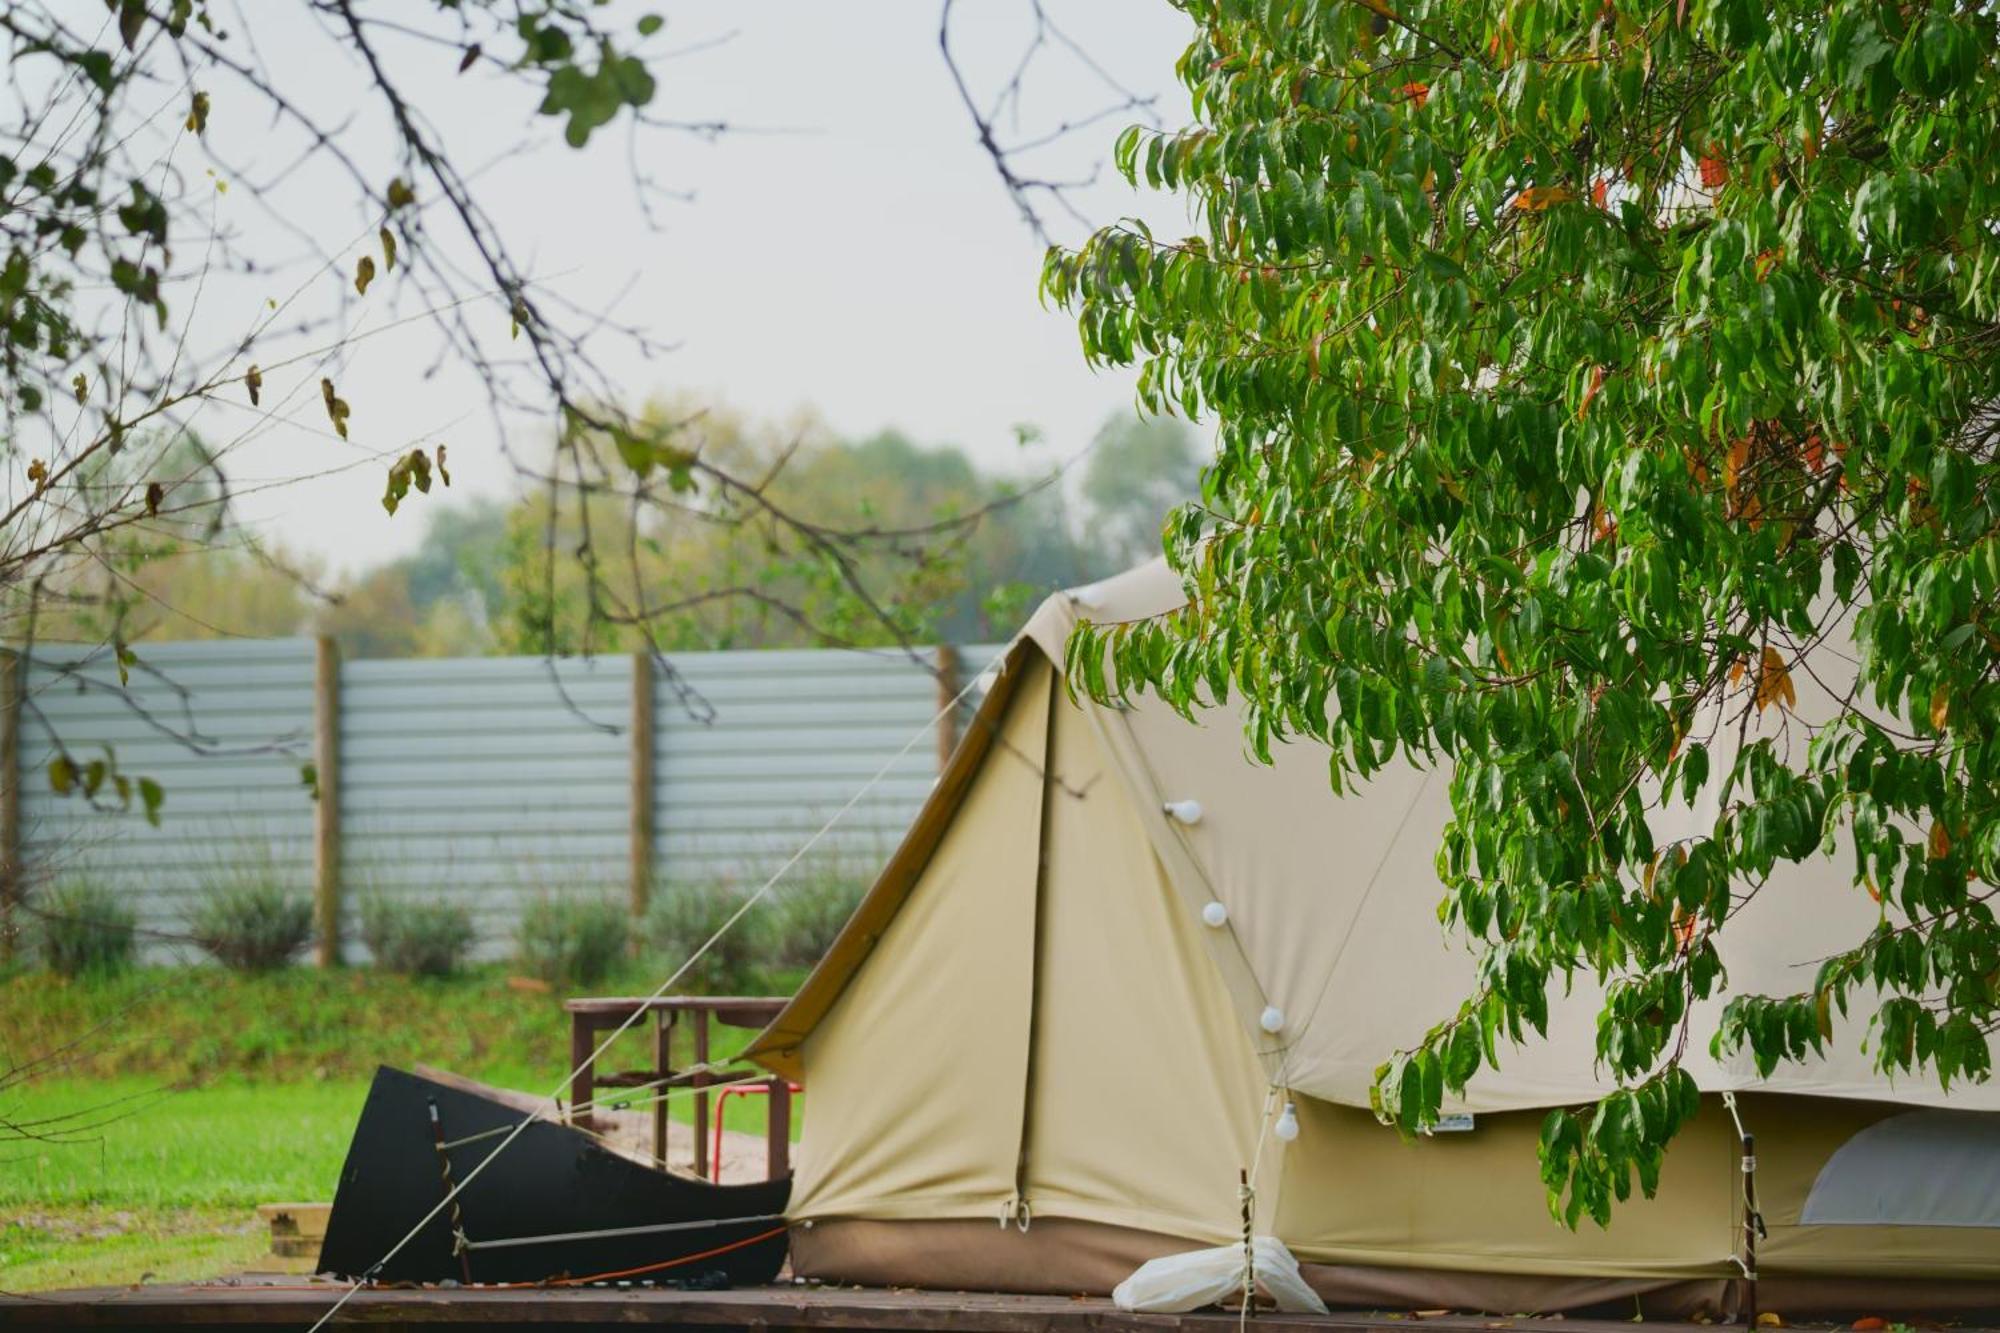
<point x="948" y="686"/>
<point x="736" y="1011"/>
<point x="700" y="1080"/>
<point x="527" y="1103"/>
<point x="326" y="810"/>
<point x="663" y="1061"/>
<point x="297" y="1229"/>
<point x="582" y="1049"/>
<point x="288" y="1302"/>
<point x="778" y="1130"/>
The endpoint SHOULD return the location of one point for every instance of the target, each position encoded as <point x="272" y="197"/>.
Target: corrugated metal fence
<point x="486" y="780"/>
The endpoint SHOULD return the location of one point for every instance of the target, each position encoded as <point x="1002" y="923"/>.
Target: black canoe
<point x="554" y="1205"/>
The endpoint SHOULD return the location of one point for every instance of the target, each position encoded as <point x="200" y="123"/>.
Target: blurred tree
<point x="174" y="587"/>
<point x="460" y="559"/>
<point x="935" y="548"/>
<point x="1140" y="469"/>
<point x="438" y="601"/>
<point x="215" y="592"/>
<point x="481" y="580"/>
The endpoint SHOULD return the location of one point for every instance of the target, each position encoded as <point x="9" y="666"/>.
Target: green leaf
<point x="152" y="796"/>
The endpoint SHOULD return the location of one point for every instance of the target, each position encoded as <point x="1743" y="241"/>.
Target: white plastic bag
<point x="1177" y="1283"/>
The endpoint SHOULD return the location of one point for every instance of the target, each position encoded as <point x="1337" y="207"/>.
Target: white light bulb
<point x="1287" y="1127"/>
<point x="1216" y="915"/>
<point x="1272" y="1020"/>
<point x="1184" y="812"/>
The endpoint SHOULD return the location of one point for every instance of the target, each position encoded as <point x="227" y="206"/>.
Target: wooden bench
<point x="590" y="1016"/>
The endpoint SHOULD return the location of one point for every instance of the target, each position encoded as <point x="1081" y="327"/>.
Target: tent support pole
<point x="1753" y="1227"/>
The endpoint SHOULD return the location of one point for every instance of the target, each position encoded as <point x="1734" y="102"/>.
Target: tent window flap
<point x="1918" y="1169"/>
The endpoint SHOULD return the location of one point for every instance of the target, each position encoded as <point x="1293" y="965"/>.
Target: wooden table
<point x="589" y="1016"/>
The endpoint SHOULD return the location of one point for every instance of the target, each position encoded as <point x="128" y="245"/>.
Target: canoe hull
<point x="551" y="1184"/>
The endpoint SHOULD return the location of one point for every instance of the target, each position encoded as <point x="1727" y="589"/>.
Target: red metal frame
<point x="722" y="1096"/>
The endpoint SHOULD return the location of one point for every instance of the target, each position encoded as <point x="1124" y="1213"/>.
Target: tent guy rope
<point x="639" y="1010"/>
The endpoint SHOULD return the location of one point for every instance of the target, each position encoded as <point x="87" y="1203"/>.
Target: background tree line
<point x="481" y="580"/>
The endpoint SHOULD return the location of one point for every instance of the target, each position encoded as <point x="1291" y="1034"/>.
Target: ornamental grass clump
<point x="572" y="941"/>
<point x="81" y="929"/>
<point x="810" y="911"/>
<point x="417" y="939"/>
<point x="684" y="917"/>
<point x="253" y="926"/>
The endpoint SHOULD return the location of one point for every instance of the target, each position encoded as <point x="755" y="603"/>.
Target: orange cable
<point x="545" y="1282"/>
<point x="644" y="1268"/>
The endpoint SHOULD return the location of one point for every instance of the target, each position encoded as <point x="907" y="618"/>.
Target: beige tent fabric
<point x="1042" y="1012"/>
<point x="1795" y="1138"/>
<point x="1334" y="903"/>
<point x="1056" y="1256"/>
<point x="917" y="1069"/>
<point x="1138" y="1060"/>
<point x="1044" y="883"/>
<point x="1062" y="1257"/>
<point x="1357" y="1193"/>
<point x="778" y="1046"/>
<point x="1332" y="900"/>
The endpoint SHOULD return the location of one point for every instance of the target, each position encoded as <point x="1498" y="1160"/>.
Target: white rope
<point x="639" y="1010"/>
<point x="1729" y="1101"/>
<point x="617" y="1102"/>
<point x="612" y="1233"/>
<point x="1249" y="1203"/>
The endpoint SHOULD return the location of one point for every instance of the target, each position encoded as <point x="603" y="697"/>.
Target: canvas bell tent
<point x="1113" y="949"/>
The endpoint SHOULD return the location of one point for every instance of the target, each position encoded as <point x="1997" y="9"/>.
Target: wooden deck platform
<point x="279" y="1302"/>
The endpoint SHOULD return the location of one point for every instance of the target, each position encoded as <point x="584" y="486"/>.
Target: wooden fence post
<point x="948" y="686"/>
<point x="326" y="810"/>
<point x="11" y="877"/>
<point x="641" y="799"/>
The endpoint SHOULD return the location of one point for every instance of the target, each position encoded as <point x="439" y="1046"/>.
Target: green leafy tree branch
<point x="1589" y="377"/>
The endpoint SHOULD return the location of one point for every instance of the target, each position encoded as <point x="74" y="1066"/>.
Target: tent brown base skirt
<point x="1063" y="1256"/>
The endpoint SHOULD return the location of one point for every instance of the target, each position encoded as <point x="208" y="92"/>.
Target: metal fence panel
<point x="486" y="781"/>
<point x="796" y="735"/>
<point x="483" y="781"/>
<point x="224" y="727"/>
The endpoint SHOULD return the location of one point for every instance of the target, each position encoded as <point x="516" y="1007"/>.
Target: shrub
<point x="83" y="928"/>
<point x="572" y="940"/>
<point x="253" y="926"/>
<point x="419" y="939"/>
<point x="810" y="912"/>
<point x="684" y="916"/>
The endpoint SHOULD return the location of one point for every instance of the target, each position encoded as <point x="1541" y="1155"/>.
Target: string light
<point x="1184" y="812"/>
<point x="1272" y="1020"/>
<point x="1287" y="1127"/>
<point x="1215" y="915"/>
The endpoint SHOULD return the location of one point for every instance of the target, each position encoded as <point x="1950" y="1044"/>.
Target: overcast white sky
<point x="864" y="263"/>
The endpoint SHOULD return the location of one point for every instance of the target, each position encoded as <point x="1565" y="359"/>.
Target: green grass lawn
<point x="209" y="1094"/>
<point x="166" y="1182"/>
<point x="229" y="1145"/>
